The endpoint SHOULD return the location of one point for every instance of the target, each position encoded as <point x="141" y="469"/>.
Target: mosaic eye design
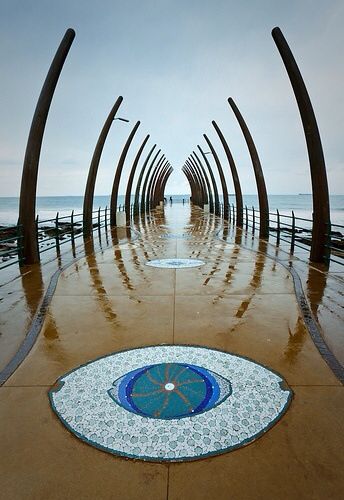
<point x="176" y="236"/>
<point x="170" y="402"/>
<point x="170" y="390"/>
<point x="175" y="263"/>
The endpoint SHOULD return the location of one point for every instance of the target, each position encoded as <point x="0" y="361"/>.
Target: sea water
<point x="48" y="206"/>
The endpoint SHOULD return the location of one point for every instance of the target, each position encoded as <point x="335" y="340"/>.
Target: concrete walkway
<point x="240" y="301"/>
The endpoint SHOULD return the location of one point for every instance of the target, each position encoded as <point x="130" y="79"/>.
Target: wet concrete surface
<point x="240" y="301"/>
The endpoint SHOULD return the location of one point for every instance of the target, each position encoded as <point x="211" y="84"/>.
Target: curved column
<point x="139" y="180"/>
<point x="131" y="179"/>
<point x="144" y="187"/>
<point x="192" y="187"/>
<point x="222" y="178"/>
<point x="321" y="203"/>
<point x="155" y="187"/>
<point x="211" y="200"/>
<point x="155" y="200"/>
<point x="152" y="182"/>
<point x="93" y="170"/>
<point x="156" y="193"/>
<point x="155" y="183"/>
<point x="205" y="186"/>
<point x="27" y="201"/>
<point x="197" y="198"/>
<point x="199" y="182"/>
<point x="192" y="194"/>
<point x="116" y="181"/>
<point x="216" y="193"/>
<point x="236" y="181"/>
<point x="163" y="186"/>
<point x="258" y="172"/>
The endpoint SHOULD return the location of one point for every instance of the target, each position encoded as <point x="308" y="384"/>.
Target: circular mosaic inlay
<point x="176" y="236"/>
<point x="126" y="246"/>
<point x="224" y="246"/>
<point x="170" y="402"/>
<point x="175" y="263"/>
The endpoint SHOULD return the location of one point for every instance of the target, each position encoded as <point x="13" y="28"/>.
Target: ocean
<point x="48" y="206"/>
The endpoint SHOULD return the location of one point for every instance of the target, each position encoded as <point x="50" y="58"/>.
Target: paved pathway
<point x="240" y="301"/>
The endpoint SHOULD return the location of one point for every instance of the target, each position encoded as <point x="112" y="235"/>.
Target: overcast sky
<point x="175" y="62"/>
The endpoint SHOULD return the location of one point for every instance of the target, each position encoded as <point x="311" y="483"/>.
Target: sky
<point x="175" y="62"/>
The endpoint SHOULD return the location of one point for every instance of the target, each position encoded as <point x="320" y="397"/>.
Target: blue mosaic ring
<point x="170" y="402"/>
<point x="175" y="263"/>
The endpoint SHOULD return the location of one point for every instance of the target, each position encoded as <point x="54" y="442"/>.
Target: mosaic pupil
<point x="170" y="390"/>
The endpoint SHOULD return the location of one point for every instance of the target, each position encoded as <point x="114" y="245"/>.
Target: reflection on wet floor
<point x="241" y="301"/>
<point x="229" y="269"/>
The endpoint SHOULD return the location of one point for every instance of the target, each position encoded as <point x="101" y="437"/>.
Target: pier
<point x="157" y="349"/>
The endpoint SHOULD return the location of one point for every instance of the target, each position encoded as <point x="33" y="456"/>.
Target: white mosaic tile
<point x="252" y="398"/>
<point x="175" y="263"/>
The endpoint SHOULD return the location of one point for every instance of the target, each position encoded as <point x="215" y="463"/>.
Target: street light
<point x="122" y="119"/>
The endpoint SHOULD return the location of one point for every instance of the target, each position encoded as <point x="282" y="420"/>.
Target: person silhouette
<point x="171" y="200"/>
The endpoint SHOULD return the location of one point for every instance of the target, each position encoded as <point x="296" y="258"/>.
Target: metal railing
<point x="50" y="233"/>
<point x="10" y="246"/>
<point x="291" y="231"/>
<point x="288" y="230"/>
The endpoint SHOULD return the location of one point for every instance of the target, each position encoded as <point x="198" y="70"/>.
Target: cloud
<point x="175" y="63"/>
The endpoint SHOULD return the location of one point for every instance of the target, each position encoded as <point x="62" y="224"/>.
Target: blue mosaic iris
<point x="170" y="390"/>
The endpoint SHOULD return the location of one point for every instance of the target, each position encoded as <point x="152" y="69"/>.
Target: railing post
<point x="254" y="221"/>
<point x="105" y="215"/>
<point x="246" y="216"/>
<point x="327" y="255"/>
<point x="72" y="226"/>
<point x="37" y="235"/>
<point x="292" y="243"/>
<point x="57" y="233"/>
<point x="278" y="228"/>
<point x="233" y="214"/>
<point x="99" y="229"/>
<point x="20" y="243"/>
